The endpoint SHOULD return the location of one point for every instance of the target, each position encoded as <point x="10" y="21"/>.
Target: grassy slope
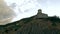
<point x="32" y="26"/>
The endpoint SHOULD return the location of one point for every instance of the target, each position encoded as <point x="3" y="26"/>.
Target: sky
<point x="50" y="7"/>
<point x="28" y="8"/>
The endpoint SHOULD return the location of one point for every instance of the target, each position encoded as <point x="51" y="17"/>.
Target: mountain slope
<point x="33" y="25"/>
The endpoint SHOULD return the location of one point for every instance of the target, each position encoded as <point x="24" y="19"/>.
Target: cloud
<point x="23" y="8"/>
<point x="28" y="8"/>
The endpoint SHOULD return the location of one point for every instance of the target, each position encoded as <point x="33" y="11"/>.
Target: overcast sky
<point x="50" y="7"/>
<point x="28" y="8"/>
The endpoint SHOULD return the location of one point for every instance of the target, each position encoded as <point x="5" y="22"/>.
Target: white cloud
<point x="28" y="8"/>
<point x="23" y="8"/>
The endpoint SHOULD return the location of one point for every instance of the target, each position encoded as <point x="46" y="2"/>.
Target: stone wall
<point x="41" y="15"/>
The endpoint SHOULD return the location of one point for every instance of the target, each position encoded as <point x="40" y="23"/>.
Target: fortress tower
<point x="41" y="15"/>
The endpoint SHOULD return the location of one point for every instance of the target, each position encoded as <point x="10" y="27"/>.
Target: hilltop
<point x="38" y="24"/>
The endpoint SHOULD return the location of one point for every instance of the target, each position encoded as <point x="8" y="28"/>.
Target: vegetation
<point x="27" y="20"/>
<point x="54" y="20"/>
<point x="32" y="25"/>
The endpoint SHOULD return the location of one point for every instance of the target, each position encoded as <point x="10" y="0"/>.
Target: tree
<point x="54" y="20"/>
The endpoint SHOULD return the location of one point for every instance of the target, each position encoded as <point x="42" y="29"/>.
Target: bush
<point x="54" y="20"/>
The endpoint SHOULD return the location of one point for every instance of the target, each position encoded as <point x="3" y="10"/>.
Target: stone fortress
<point x="41" y="15"/>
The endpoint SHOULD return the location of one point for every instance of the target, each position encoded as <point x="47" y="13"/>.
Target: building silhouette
<point x="41" y="15"/>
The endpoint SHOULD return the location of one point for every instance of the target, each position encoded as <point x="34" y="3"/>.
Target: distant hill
<point x="33" y="25"/>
